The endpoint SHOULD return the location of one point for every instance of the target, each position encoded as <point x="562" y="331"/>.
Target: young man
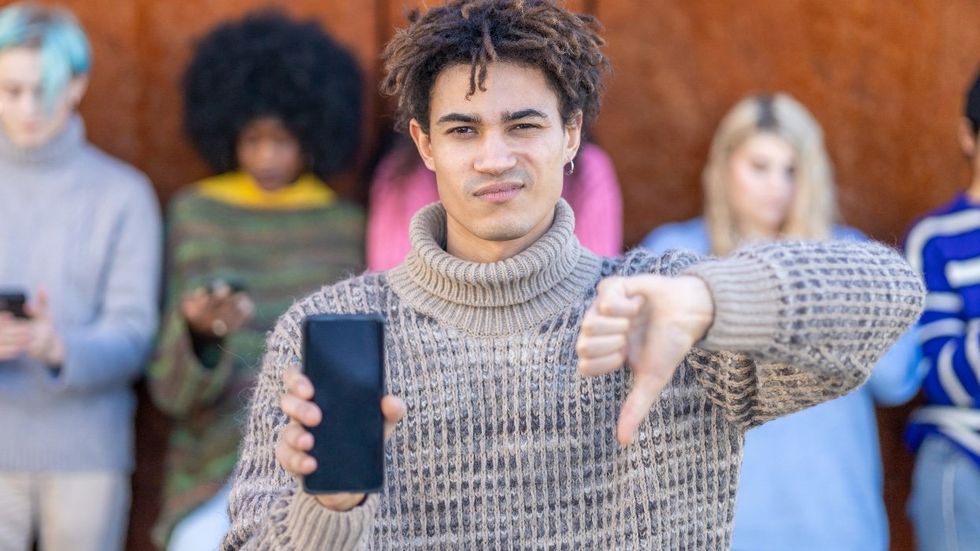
<point x="945" y="248"/>
<point x="506" y="340"/>
<point x="80" y="235"/>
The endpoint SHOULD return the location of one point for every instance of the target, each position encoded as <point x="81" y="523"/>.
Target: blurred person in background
<point x="402" y="185"/>
<point x="944" y="247"/>
<point x="812" y="479"/>
<point x="274" y="106"/>
<point x="80" y="237"/>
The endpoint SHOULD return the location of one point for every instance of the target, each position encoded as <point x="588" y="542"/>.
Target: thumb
<point x="394" y="409"/>
<point x="612" y="299"/>
<point x="38" y="308"/>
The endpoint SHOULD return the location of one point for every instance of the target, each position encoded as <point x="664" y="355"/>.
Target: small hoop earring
<point x="571" y="168"/>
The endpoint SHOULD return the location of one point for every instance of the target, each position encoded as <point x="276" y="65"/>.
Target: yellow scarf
<point x="240" y="189"/>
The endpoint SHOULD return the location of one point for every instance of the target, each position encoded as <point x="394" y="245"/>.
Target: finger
<point x="304" y="411"/>
<point x="245" y="306"/>
<point x="619" y="306"/>
<point x="296" y="436"/>
<point x="12" y="349"/>
<point x="194" y="303"/>
<point x="596" y="324"/>
<point x="596" y="347"/>
<point x="294" y="461"/>
<point x="611" y="299"/>
<point x="298" y="384"/>
<point x="38" y="308"/>
<point x="635" y="409"/>
<point x="597" y="367"/>
<point x="16" y="333"/>
<point x="221" y="290"/>
<point x="394" y="409"/>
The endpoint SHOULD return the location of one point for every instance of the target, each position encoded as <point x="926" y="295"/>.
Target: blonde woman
<point x="813" y="479"/>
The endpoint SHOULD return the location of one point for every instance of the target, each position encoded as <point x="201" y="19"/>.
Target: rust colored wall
<point x="885" y="79"/>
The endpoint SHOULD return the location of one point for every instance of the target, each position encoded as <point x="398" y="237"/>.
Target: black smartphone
<point x="234" y="284"/>
<point x="343" y="356"/>
<point x="14" y="302"/>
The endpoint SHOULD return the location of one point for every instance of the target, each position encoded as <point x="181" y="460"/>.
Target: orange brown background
<point x="885" y="78"/>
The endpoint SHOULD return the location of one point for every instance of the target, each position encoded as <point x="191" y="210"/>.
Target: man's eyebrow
<point x="458" y="117"/>
<point x="523" y="114"/>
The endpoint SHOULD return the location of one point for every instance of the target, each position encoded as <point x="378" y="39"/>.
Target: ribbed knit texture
<point x="506" y="447"/>
<point x="85" y="228"/>
<point x="280" y="255"/>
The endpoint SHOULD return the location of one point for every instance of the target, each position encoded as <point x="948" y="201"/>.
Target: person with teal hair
<point x="80" y="249"/>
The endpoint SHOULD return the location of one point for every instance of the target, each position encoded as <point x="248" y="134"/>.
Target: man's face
<point x="24" y="116"/>
<point x="498" y="157"/>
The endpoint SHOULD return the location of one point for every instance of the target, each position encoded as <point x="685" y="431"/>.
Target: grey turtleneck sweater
<point x="84" y="227"/>
<point x="505" y="447"/>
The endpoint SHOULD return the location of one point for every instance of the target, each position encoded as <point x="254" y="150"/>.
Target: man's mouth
<point x="499" y="192"/>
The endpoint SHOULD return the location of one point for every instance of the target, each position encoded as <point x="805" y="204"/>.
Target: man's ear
<point x="968" y="138"/>
<point x="422" y="143"/>
<point x="573" y="136"/>
<point x="76" y="90"/>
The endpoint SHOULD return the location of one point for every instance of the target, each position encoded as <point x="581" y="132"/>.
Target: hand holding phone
<point x="29" y="329"/>
<point x="15" y="330"/>
<point x="343" y="357"/>
<point x="294" y="451"/>
<point x="217" y="310"/>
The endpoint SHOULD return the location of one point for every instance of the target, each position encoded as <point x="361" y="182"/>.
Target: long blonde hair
<point x="814" y="206"/>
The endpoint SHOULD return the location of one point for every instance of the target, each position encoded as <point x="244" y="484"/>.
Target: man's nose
<point x="495" y="156"/>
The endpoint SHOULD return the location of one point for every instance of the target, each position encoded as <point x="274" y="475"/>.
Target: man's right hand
<point x="295" y="440"/>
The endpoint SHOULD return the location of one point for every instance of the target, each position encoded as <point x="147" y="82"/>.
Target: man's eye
<point x="526" y="126"/>
<point x="461" y="130"/>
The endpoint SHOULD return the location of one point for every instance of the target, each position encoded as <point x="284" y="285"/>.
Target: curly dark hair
<point x="269" y="65"/>
<point x="565" y="46"/>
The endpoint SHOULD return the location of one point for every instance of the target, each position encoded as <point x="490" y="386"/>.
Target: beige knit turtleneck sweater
<point x="505" y="447"/>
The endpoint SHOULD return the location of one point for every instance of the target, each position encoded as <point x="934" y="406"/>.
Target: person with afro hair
<point x="273" y="105"/>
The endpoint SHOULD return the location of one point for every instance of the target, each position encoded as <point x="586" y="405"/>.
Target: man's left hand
<point x="650" y="323"/>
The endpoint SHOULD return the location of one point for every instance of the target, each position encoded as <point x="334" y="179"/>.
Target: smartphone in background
<point x="14" y="302"/>
<point x="235" y="284"/>
<point x="343" y="356"/>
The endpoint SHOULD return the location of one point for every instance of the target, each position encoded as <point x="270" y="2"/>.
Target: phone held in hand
<point x="343" y="356"/>
<point x="234" y="284"/>
<point x="14" y="302"/>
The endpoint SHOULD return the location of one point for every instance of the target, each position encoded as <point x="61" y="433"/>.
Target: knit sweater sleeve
<point x="178" y="380"/>
<point x="268" y="508"/>
<point x="800" y="323"/>
<point x="113" y="348"/>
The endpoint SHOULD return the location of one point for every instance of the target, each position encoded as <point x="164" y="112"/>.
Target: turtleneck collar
<point x="499" y="297"/>
<point x="63" y="146"/>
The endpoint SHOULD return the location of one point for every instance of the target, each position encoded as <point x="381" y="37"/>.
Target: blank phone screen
<point x="343" y="356"/>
